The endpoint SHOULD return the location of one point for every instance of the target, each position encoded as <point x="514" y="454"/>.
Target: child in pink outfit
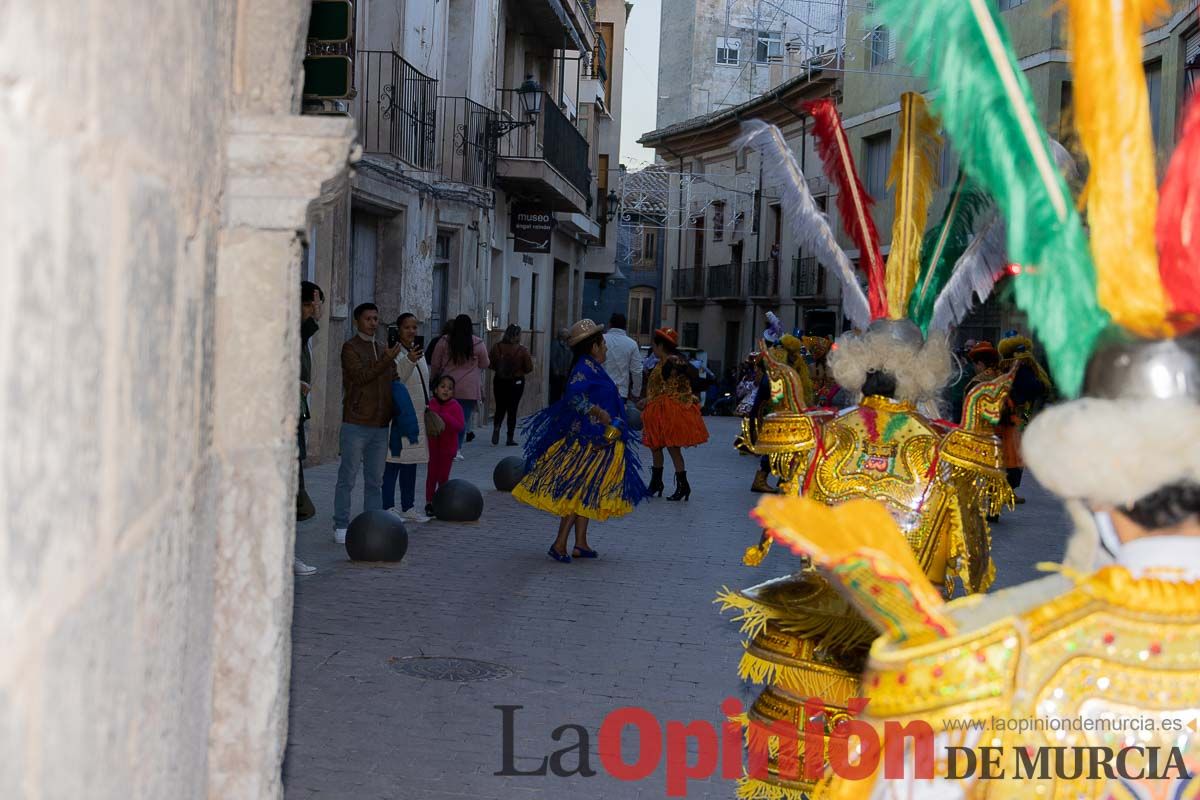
<point x="444" y="447"/>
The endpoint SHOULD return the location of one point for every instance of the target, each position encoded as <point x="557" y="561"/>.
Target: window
<point x="728" y="50"/>
<point x="883" y="49"/>
<point x="439" y="311"/>
<point x="769" y="47"/>
<point x="718" y="221"/>
<point x="1154" y="90"/>
<point x="691" y="334"/>
<point x="641" y="314"/>
<point x="739" y="160"/>
<point x="1005" y="5"/>
<point x="649" y="252"/>
<point x="877" y="162"/>
<point x="698" y="231"/>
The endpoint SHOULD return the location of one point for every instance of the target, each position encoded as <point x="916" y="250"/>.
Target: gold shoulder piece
<point x="859" y="547"/>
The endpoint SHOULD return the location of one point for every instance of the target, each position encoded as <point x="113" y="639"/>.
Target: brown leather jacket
<point x="366" y="383"/>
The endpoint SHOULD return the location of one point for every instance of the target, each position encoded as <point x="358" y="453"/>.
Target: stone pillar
<point x="276" y="164"/>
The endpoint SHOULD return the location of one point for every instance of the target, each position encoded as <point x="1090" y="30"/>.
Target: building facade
<point x="870" y="106"/>
<point x="484" y="128"/>
<point x="717" y="54"/>
<point x="729" y="255"/>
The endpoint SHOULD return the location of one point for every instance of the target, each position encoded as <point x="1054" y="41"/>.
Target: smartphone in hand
<point x="418" y="343"/>
<point x="393" y="335"/>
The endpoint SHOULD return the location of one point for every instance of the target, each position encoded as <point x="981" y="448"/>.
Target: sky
<point x="639" y="104"/>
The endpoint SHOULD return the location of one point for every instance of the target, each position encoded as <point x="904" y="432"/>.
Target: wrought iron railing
<point x="806" y="277"/>
<point x="552" y="137"/>
<point x="725" y="282"/>
<point x="764" y="278"/>
<point x="396" y="108"/>
<point x="466" y="149"/>
<point x="687" y="283"/>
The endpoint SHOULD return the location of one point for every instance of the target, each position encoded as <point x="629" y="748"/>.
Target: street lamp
<point x="613" y="205"/>
<point x="530" y="96"/>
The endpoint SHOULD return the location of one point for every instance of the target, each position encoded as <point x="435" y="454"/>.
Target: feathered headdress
<point x="1068" y="292"/>
<point x="894" y="289"/>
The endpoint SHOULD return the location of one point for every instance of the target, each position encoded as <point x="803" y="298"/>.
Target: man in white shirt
<point x="624" y="361"/>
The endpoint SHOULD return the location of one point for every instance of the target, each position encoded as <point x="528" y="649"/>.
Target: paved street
<point x="636" y="627"/>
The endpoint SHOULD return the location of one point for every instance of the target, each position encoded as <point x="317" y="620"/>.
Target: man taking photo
<point x="368" y="369"/>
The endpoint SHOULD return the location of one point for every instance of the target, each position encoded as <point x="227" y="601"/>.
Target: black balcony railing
<point x="466" y="150"/>
<point x="725" y="282"/>
<point x="764" y="278"/>
<point x="551" y="138"/>
<point x="806" y="277"/>
<point x="687" y="283"/>
<point x="396" y="108"/>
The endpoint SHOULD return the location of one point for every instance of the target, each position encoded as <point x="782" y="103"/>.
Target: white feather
<point x="974" y="275"/>
<point x="978" y="268"/>
<point x="809" y="225"/>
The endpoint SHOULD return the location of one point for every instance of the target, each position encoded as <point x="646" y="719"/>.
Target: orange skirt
<point x="666" y="422"/>
<point x="1010" y="441"/>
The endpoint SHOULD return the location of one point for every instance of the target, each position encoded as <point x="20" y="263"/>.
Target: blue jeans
<point x="468" y="407"/>
<point x="360" y="445"/>
<point x="407" y="473"/>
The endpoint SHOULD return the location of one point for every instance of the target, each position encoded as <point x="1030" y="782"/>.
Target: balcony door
<point x="641" y="315"/>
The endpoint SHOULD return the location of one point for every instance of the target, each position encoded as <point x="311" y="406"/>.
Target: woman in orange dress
<point x="671" y="413"/>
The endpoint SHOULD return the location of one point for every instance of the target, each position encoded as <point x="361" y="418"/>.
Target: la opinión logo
<point x="905" y="750"/>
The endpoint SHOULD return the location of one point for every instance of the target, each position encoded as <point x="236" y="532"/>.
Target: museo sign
<point x="531" y="227"/>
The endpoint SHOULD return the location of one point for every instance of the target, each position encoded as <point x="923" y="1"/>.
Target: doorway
<point x="438" y="307"/>
<point x="733" y="346"/>
<point x="364" y="256"/>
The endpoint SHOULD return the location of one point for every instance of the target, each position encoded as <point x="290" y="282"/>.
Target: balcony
<point x="466" y="150"/>
<point x="687" y="286"/>
<point x="396" y="109"/>
<point x="806" y="279"/>
<point x="725" y="284"/>
<point x="551" y="19"/>
<point x="546" y="161"/>
<point x="764" y="281"/>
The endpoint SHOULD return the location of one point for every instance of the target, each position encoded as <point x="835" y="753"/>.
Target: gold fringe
<point x="754" y="616"/>
<point x="755" y="789"/>
<point x="806" y="681"/>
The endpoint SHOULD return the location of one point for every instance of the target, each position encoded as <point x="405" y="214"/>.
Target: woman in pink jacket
<point x="462" y="355"/>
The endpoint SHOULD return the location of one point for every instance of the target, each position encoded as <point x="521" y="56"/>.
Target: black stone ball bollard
<point x="376" y="536"/>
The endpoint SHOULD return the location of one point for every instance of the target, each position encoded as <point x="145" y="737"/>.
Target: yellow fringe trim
<point x="810" y="681"/>
<point x="754" y="616"/>
<point x="755" y="789"/>
<point x="611" y="506"/>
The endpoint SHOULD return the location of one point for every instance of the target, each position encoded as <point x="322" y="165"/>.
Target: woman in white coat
<point x="402" y="467"/>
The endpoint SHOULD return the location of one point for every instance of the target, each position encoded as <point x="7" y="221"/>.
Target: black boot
<point x="496" y="435"/>
<point x="682" y="490"/>
<point x="655" y="489"/>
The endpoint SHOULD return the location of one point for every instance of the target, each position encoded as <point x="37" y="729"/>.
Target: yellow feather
<point x="1112" y="115"/>
<point x="912" y="176"/>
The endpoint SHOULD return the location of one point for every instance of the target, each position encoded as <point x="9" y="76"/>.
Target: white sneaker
<point x="300" y="568"/>
<point x="459" y="456"/>
<point x="339" y="535"/>
<point x="413" y="515"/>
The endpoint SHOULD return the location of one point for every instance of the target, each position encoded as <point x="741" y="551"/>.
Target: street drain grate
<point x="458" y="670"/>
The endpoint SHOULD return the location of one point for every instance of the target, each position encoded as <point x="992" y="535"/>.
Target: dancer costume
<point x="672" y="417"/>
<point x="575" y="465"/>
<point x="1099" y="642"/>
<point x="940" y="481"/>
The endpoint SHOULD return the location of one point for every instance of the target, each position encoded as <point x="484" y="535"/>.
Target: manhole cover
<point x="459" y="670"/>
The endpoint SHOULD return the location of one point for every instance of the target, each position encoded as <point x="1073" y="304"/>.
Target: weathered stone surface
<point x="148" y="391"/>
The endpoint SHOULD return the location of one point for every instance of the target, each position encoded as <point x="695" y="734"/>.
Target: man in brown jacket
<point x="368" y="369"/>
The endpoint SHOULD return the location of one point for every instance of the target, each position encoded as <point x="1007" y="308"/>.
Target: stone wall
<point x="149" y="200"/>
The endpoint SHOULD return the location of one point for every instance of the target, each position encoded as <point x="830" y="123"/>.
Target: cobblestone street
<point x="636" y="627"/>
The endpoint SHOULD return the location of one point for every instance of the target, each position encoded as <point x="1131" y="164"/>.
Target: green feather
<point x="985" y="104"/>
<point x="943" y="245"/>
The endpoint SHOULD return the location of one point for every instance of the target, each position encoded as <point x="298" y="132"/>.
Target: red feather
<point x="1179" y="221"/>
<point x="854" y="204"/>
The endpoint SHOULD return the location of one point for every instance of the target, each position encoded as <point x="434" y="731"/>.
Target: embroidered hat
<point x="669" y="334"/>
<point x="582" y="330"/>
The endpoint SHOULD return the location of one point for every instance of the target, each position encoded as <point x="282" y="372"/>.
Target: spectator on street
<point x="311" y="299"/>
<point x="561" y="359"/>
<point x="462" y="355"/>
<point x="413" y="372"/>
<point x="443" y="447"/>
<point x="368" y="369"/>
<point x="511" y="362"/>
<point x="624" y="361"/>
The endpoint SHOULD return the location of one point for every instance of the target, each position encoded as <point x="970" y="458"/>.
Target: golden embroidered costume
<point x="1050" y="670"/>
<point x="939" y="481"/>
